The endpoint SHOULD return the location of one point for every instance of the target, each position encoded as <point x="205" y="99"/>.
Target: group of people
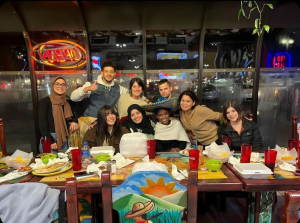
<point x="117" y="111"/>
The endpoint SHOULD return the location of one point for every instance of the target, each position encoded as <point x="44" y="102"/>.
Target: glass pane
<point x="16" y="111"/>
<point x="65" y="55"/>
<point x="278" y="101"/>
<point x="125" y="48"/>
<point x="13" y="53"/>
<point x="219" y="87"/>
<point x="229" y="48"/>
<point x="173" y="49"/>
<point x="123" y="79"/>
<point x="179" y="81"/>
<point x="73" y="82"/>
<point x="280" y="48"/>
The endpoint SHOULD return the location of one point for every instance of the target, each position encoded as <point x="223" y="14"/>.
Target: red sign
<point x="59" y="53"/>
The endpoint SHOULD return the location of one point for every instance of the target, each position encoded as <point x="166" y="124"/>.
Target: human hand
<point x="92" y="87"/>
<point x="73" y="126"/>
<point x="54" y="146"/>
<point x="92" y="125"/>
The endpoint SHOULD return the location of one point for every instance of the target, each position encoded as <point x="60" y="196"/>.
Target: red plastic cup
<point x="151" y="147"/>
<point x="227" y="140"/>
<point x="194" y="159"/>
<point x="270" y="159"/>
<point x="246" y="150"/>
<point x="46" y="143"/>
<point x="293" y="143"/>
<point x="76" y="159"/>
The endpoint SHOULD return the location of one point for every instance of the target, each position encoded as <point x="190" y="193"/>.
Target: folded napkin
<point x="233" y="160"/>
<point x="62" y="155"/>
<point x="254" y="157"/>
<point x="150" y="166"/>
<point x="71" y="148"/>
<point x="182" y="174"/>
<point x="287" y="166"/>
<point x="94" y="168"/>
<point x="121" y="161"/>
<point x="12" y="175"/>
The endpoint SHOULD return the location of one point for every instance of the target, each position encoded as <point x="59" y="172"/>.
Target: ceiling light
<point x="117" y="44"/>
<point x="291" y="41"/>
<point x="124" y="44"/>
<point x="284" y="41"/>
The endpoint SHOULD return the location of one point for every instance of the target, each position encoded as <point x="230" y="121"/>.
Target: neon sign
<point x="59" y="53"/>
<point x="280" y="60"/>
<point x="171" y="76"/>
<point x="96" y="62"/>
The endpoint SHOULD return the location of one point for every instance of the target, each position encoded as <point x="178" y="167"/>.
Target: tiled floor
<point x="235" y="211"/>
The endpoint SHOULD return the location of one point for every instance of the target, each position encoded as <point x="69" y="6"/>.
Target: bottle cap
<point x="85" y="143"/>
<point x="113" y="161"/>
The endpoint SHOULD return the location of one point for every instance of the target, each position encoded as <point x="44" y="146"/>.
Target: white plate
<point x="51" y="171"/>
<point x="181" y="152"/>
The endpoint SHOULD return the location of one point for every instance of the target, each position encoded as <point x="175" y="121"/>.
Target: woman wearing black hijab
<point x="138" y="121"/>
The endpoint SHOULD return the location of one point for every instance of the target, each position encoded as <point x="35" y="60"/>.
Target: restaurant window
<point x="16" y="110"/>
<point x="68" y="55"/>
<point x="280" y="49"/>
<point x="219" y="87"/>
<point x="229" y="48"/>
<point x="125" y="48"/>
<point x="180" y="81"/>
<point x="172" y="49"/>
<point x="13" y="53"/>
<point x="278" y="101"/>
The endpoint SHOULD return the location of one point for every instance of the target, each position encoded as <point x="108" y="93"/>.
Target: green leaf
<point x="254" y="31"/>
<point x="256" y="23"/>
<point x="243" y="12"/>
<point x="250" y="4"/>
<point x="270" y="5"/>
<point x="239" y="13"/>
<point x="267" y="28"/>
<point x="253" y="9"/>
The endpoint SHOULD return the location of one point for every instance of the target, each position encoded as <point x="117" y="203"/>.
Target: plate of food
<point x="4" y="169"/>
<point x="52" y="168"/>
<point x="24" y="169"/>
<point x="184" y="152"/>
<point x="64" y="169"/>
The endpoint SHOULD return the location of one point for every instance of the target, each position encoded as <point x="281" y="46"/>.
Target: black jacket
<point x="250" y="135"/>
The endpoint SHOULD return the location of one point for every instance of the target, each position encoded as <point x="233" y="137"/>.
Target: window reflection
<point x="278" y="101"/>
<point x="280" y="48"/>
<point x="180" y="81"/>
<point x="13" y="54"/>
<point x="125" y="48"/>
<point x="229" y="48"/>
<point x="219" y="87"/>
<point x="16" y="111"/>
<point x="172" y="49"/>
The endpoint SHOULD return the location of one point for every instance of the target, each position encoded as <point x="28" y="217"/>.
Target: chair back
<point x="2" y="138"/>
<point x="151" y="195"/>
<point x="72" y="207"/>
<point x="290" y="208"/>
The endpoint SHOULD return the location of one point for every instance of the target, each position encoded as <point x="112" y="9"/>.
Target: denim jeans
<point x="64" y="147"/>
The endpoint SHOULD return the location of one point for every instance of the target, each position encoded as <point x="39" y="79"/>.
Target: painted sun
<point x="158" y="189"/>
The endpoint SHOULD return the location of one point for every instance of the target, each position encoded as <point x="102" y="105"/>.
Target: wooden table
<point x="262" y="194"/>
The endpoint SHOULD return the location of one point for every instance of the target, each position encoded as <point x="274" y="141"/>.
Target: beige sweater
<point x="202" y="124"/>
<point x="125" y="100"/>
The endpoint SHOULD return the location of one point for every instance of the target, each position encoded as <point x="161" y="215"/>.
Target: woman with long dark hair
<point x="107" y="132"/>
<point x="198" y="119"/>
<point x="136" y="88"/>
<point x="240" y="129"/>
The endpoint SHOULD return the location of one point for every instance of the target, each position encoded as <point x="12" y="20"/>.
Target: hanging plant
<point x="258" y="26"/>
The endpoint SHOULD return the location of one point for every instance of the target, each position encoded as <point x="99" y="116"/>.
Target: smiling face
<point x="163" y="116"/>
<point x="165" y="90"/>
<point x="108" y="74"/>
<point x="136" y="90"/>
<point x="136" y="116"/>
<point x="186" y="103"/>
<point x="232" y="114"/>
<point x="110" y="118"/>
<point x="60" y="86"/>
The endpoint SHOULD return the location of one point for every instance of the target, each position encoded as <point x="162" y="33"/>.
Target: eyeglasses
<point x="61" y="85"/>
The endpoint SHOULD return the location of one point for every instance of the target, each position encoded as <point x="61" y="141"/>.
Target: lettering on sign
<point x="59" y="53"/>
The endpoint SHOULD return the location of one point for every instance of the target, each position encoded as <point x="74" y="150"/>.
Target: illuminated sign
<point x="170" y="56"/>
<point x="171" y="76"/>
<point x="279" y="60"/>
<point x="59" y="53"/>
<point x="96" y="62"/>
